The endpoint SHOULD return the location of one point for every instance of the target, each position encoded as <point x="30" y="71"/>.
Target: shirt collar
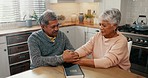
<point x="52" y="39"/>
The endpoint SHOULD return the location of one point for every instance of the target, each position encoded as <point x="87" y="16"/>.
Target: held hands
<point x="73" y="57"/>
<point x="69" y="56"/>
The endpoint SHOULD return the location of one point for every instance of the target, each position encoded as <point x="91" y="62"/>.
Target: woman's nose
<point x="100" y="27"/>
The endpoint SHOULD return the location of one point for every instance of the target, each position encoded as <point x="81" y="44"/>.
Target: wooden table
<point x="57" y="72"/>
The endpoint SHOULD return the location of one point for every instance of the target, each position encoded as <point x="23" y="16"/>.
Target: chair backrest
<point x="129" y="46"/>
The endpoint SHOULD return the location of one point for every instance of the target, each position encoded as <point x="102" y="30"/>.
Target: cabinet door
<point x="70" y="33"/>
<point x="4" y="66"/>
<point x="89" y="35"/>
<point x="91" y="32"/>
<point x="80" y="36"/>
<point x="76" y="35"/>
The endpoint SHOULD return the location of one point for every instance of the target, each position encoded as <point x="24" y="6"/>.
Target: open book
<point x="73" y="71"/>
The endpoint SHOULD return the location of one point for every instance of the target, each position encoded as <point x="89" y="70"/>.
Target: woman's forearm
<point x="86" y="62"/>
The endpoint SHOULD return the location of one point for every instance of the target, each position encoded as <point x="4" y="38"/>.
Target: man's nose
<point x="56" y="28"/>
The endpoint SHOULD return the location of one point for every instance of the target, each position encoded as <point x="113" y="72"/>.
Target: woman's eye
<point x="104" y="25"/>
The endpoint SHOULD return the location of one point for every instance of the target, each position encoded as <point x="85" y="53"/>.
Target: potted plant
<point x="61" y="18"/>
<point x="34" y="18"/>
<point x="89" y="18"/>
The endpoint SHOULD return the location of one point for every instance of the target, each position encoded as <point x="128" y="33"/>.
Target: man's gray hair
<point x="47" y="16"/>
<point x="112" y="15"/>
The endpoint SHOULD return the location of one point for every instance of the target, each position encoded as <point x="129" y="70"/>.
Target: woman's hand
<point x="70" y="56"/>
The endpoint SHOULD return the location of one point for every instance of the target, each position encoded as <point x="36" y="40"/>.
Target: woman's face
<point x="108" y="30"/>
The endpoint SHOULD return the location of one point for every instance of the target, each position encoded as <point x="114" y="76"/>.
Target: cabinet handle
<point x="5" y="50"/>
<point x="18" y="38"/>
<point x="22" y="57"/>
<point x="22" y="66"/>
<point x="21" y="47"/>
<point x="97" y="30"/>
<point x="67" y="31"/>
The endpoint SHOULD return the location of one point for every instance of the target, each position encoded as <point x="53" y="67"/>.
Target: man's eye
<point x="53" y="27"/>
<point x="56" y="25"/>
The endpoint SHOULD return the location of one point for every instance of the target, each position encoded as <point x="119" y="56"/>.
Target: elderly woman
<point x="108" y="47"/>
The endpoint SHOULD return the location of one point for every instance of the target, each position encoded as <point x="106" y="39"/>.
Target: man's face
<point x="107" y="29"/>
<point x="52" y="28"/>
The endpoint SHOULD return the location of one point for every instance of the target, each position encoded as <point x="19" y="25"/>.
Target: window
<point x="18" y="10"/>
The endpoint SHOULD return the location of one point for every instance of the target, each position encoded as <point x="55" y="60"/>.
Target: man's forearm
<point x="49" y="60"/>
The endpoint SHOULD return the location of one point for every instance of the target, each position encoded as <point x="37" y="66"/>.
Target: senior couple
<point x="51" y="47"/>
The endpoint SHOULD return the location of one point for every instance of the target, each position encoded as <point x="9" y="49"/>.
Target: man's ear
<point x="42" y="26"/>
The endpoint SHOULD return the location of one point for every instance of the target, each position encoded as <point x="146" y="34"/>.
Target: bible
<point x="73" y="70"/>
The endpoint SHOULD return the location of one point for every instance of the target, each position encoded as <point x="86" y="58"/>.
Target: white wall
<point x="108" y="4"/>
<point x="123" y="10"/>
<point x="130" y="9"/>
<point x="134" y="8"/>
<point x="67" y="9"/>
<point x="112" y="4"/>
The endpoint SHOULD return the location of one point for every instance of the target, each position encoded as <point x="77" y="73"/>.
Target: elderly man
<point x="47" y="45"/>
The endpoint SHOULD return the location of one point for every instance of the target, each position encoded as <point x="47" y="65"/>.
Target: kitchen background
<point x="68" y="9"/>
<point x="134" y="9"/>
<point x="130" y="9"/>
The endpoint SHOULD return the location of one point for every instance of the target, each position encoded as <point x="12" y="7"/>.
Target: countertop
<point x="85" y="24"/>
<point x="25" y="28"/>
<point x="58" y="72"/>
<point x="20" y="29"/>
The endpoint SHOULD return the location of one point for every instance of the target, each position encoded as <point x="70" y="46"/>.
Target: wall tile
<point x="67" y="9"/>
<point x="135" y="8"/>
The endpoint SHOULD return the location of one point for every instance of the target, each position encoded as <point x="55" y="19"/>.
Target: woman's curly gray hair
<point x="112" y="15"/>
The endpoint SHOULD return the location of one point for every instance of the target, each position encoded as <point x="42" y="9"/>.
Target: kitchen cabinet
<point x="76" y="35"/>
<point x="70" y="33"/>
<point x="71" y="1"/>
<point x="4" y="62"/>
<point x="18" y="53"/>
<point x="80" y="36"/>
<point x="14" y="54"/>
<point x="91" y="32"/>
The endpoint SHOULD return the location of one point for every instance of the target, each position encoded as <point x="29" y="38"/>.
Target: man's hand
<point x="69" y="56"/>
